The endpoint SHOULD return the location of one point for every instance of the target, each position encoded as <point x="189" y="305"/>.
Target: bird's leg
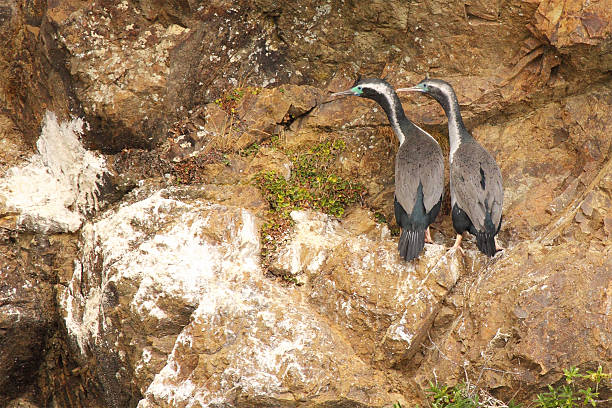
<point x="458" y="243"/>
<point x="428" y="236"/>
<point x="497" y="246"/>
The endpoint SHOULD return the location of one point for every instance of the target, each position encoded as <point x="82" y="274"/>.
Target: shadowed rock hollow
<point x="146" y="264"/>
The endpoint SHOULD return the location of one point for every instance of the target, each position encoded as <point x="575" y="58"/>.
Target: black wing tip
<point x="486" y="243"/>
<point x="411" y="243"/>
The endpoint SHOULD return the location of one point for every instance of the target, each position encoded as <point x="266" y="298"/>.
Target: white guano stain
<point x="174" y="262"/>
<point x="219" y="276"/>
<point x="59" y="184"/>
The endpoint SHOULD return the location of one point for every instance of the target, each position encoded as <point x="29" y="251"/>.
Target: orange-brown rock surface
<point x="157" y="297"/>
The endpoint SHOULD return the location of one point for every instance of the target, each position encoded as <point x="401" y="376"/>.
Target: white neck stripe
<point x="388" y="94"/>
<point x="454" y="139"/>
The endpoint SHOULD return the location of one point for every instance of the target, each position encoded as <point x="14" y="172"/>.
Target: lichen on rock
<point x="169" y="300"/>
<point x="166" y="270"/>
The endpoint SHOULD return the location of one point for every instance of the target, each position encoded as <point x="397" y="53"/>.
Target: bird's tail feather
<point x="411" y="243"/>
<point x="486" y="243"/>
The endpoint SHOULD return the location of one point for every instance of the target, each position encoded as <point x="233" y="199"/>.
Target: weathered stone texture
<point x="167" y="304"/>
<point x="177" y="293"/>
<point x="354" y="277"/>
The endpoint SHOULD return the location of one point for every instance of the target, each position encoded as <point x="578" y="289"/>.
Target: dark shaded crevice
<point x="62" y="381"/>
<point x="278" y="32"/>
<point x="111" y="137"/>
<point x="57" y="58"/>
<point x="291" y="116"/>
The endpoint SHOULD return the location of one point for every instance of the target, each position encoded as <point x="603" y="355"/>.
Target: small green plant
<point x="463" y="395"/>
<point x="312" y="184"/>
<point x="578" y="391"/>
<point x="272" y="233"/>
<point x="291" y="279"/>
<point x="570" y="394"/>
<point x="451" y="397"/>
<point x="250" y="150"/>
<point x="380" y="218"/>
<point x="229" y="100"/>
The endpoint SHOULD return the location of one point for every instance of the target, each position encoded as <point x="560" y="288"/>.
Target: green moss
<point x="230" y="99"/>
<point x="312" y="184"/>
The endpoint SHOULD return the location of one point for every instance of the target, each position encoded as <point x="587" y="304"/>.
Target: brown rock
<point x="530" y="314"/>
<point x="21" y="403"/>
<point x="178" y="295"/>
<point x="355" y="276"/>
<point x="121" y="70"/>
<point x="568" y="23"/>
<point x="266" y="113"/>
<point x="32" y="79"/>
<point x="545" y="157"/>
<point x="13" y="148"/>
<point x="533" y="80"/>
<point x="27" y="316"/>
<point x="268" y="159"/>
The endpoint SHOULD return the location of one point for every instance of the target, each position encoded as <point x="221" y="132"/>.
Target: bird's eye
<point x="360" y="88"/>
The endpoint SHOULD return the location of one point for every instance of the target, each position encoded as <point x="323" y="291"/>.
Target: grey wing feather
<point x="422" y="161"/>
<point x="432" y="176"/>
<point x="474" y="193"/>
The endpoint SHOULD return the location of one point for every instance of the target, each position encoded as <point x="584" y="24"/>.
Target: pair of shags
<point x="475" y="178"/>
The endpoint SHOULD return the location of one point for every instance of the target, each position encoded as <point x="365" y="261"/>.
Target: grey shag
<point x="475" y="179"/>
<point x="419" y="168"/>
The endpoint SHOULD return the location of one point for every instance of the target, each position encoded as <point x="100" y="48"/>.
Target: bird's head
<point x="371" y="88"/>
<point x="436" y="88"/>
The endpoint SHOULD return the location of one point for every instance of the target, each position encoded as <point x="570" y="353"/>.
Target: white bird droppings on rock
<point x="59" y="184"/>
<point x="194" y="265"/>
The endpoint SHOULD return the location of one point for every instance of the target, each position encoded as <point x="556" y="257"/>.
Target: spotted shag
<point x="419" y="168"/>
<point x="475" y="179"/>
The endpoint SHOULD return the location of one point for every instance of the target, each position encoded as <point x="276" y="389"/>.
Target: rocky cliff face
<point x="163" y="244"/>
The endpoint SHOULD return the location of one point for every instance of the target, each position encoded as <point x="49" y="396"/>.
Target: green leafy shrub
<point x="451" y="397"/>
<point x="578" y="391"/>
<point x="312" y="184"/>
<point x="571" y="395"/>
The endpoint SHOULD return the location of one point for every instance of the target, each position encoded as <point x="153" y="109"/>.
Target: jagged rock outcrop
<point x="169" y="297"/>
<point x="168" y="304"/>
<point x="28" y="315"/>
<point x="535" y="310"/>
<point x="147" y="67"/>
<point x="354" y="277"/>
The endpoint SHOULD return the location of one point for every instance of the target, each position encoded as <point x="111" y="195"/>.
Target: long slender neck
<point x="392" y="106"/>
<point x="457" y="133"/>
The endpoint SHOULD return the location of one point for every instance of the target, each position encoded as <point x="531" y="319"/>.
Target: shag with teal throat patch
<point x="419" y="168"/>
<point x="476" y="189"/>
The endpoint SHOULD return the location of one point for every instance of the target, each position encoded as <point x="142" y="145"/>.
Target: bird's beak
<point x="411" y="89"/>
<point x="342" y="93"/>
